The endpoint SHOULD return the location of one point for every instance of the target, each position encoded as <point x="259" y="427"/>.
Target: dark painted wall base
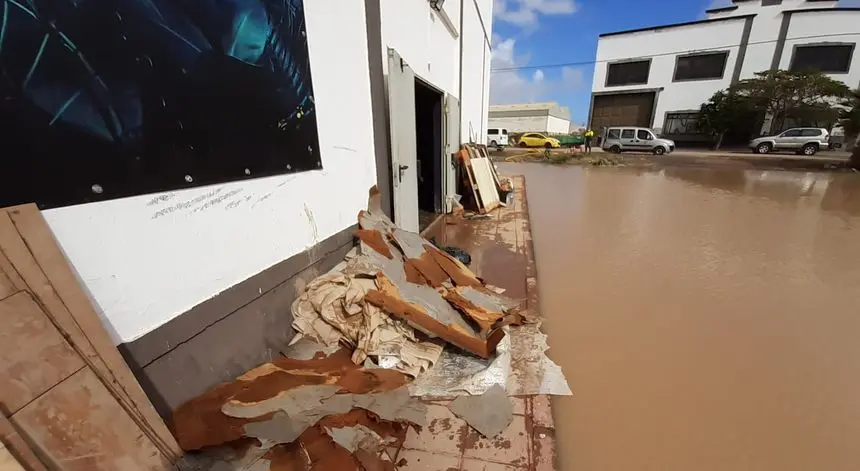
<point x="240" y="328"/>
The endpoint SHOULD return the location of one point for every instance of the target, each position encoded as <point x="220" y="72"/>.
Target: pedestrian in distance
<point x="589" y="135"/>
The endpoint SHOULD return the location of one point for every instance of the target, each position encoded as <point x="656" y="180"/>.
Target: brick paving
<point x="502" y="254"/>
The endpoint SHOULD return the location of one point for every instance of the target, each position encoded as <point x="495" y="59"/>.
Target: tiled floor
<point x="448" y="443"/>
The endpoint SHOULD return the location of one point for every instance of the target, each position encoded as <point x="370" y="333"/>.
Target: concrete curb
<point x="539" y="418"/>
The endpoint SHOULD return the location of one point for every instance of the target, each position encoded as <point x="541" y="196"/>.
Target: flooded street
<point x="705" y="319"/>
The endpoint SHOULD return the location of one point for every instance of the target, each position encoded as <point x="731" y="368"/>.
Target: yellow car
<point x="534" y="139"/>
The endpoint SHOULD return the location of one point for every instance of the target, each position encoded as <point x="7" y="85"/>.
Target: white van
<point x="497" y="138"/>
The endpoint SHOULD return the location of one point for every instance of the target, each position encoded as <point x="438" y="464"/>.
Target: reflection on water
<point x="706" y="319"/>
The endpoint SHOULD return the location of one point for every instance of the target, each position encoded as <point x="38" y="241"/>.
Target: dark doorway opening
<point x="428" y="133"/>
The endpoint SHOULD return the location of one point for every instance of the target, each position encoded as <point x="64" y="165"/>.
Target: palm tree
<point x="849" y="118"/>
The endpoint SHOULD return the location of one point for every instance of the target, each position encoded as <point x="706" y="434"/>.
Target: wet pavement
<point x="706" y="319"/>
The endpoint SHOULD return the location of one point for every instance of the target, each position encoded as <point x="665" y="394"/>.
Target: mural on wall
<point x="104" y="99"/>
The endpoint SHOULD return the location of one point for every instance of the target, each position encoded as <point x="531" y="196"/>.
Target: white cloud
<point x="530" y="85"/>
<point x="526" y="13"/>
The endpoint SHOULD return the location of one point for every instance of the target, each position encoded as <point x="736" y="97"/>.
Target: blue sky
<point x="529" y="33"/>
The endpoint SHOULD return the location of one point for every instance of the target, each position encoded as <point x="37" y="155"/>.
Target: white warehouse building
<point x="547" y="117"/>
<point x="193" y="253"/>
<point x="658" y="77"/>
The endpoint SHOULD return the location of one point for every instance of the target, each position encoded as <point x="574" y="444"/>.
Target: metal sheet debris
<point x="520" y="366"/>
<point x="490" y="413"/>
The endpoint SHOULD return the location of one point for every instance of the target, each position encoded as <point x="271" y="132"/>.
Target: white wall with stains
<point x="147" y="259"/>
<point x="475" y="99"/>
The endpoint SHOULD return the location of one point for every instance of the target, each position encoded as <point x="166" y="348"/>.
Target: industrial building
<point x="193" y="225"/>
<point x="658" y="77"/>
<point x="531" y="117"/>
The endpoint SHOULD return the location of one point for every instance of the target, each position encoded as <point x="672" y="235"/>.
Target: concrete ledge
<point x="238" y="329"/>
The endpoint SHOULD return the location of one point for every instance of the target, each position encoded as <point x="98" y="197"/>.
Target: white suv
<point x="806" y="141"/>
<point x="497" y="138"/>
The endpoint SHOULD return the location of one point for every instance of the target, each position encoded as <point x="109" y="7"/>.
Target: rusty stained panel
<point x="83" y="428"/>
<point x="18" y="446"/>
<point x="35" y="355"/>
<point x="10" y="281"/>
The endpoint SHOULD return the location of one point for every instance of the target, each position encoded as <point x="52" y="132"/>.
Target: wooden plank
<point x="18" y="446"/>
<point x="7" y="461"/>
<point x="10" y="281"/>
<point x="486" y="184"/>
<point x="6" y="287"/>
<point x="35" y="355"/>
<point x="30" y="246"/>
<point x="469" y="176"/>
<point x="81" y="427"/>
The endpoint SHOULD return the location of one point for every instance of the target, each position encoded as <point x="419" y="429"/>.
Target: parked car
<point x="497" y="138"/>
<point x="535" y="139"/>
<point x="630" y="138"/>
<point x="806" y="141"/>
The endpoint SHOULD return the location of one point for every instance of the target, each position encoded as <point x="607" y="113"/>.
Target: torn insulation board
<point x="427" y="311"/>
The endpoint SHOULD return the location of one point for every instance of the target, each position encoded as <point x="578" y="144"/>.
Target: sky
<point x="536" y="33"/>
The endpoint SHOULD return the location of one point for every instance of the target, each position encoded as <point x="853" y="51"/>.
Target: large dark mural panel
<point x="103" y="99"/>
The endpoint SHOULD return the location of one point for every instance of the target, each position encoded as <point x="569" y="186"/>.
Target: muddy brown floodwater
<point x="705" y="319"/>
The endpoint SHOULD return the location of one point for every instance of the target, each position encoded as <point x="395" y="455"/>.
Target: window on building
<point x="614" y="133"/>
<point x="701" y="66"/>
<point x="627" y="134"/>
<point x="680" y="124"/>
<point x="829" y="58"/>
<point x="628" y="73"/>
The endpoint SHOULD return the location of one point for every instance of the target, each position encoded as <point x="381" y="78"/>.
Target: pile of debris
<point x="365" y="330"/>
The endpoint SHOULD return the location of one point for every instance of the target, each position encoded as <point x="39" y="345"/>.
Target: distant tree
<point x="724" y="112"/>
<point x="849" y="119"/>
<point x="808" y="98"/>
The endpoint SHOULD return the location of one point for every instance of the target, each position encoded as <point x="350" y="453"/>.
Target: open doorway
<point x="429" y="142"/>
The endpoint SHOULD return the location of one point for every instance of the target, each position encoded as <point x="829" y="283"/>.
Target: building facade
<point x="193" y="253"/>
<point x="659" y="76"/>
<point x="531" y="117"/>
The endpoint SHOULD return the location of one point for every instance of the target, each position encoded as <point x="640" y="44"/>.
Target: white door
<point x="404" y="159"/>
<point x="452" y="146"/>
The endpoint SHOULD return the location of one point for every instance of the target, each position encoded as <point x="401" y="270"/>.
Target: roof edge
<point x="675" y="25"/>
<point x="819" y="10"/>
<point x="722" y="9"/>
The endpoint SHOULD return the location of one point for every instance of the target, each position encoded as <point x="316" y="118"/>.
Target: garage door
<point x="628" y="109"/>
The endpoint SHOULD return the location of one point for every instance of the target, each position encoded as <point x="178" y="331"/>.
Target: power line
<point x="572" y="64"/>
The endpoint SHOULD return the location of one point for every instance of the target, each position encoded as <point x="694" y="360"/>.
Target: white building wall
<point x="660" y="45"/>
<point x="837" y="26"/>
<point x="145" y="263"/>
<point x="474" y="102"/>
<point x="422" y="40"/>
<point x="767" y="24"/>
<point x="556" y="125"/>
<point x="520" y="123"/>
